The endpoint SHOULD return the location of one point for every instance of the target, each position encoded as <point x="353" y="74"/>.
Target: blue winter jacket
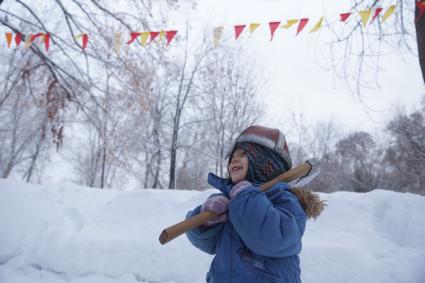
<point x="260" y="242"/>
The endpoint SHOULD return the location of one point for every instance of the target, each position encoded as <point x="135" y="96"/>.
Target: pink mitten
<point x="217" y="204"/>
<point x="238" y="188"/>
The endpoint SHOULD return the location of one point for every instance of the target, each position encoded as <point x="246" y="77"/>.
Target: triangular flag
<point x="154" y="34"/>
<point x="253" y="27"/>
<point x="273" y="26"/>
<point x="28" y="41"/>
<point x="317" y="26"/>
<point x="376" y="14"/>
<point x="217" y="35"/>
<point x="169" y="35"/>
<point x="9" y="36"/>
<point x="388" y="13"/>
<point x="301" y="25"/>
<point x="421" y="7"/>
<point x="344" y="16"/>
<point x="85" y="38"/>
<point x="46" y="38"/>
<point x="134" y="36"/>
<point x="238" y="30"/>
<point x="290" y="23"/>
<point x="117" y="42"/>
<point x="365" y="14"/>
<point x="18" y="39"/>
<point x="144" y="37"/>
<point x="161" y="35"/>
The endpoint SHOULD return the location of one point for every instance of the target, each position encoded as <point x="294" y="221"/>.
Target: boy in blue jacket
<point x="257" y="235"/>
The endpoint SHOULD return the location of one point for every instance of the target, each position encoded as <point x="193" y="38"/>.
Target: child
<point x="257" y="235"/>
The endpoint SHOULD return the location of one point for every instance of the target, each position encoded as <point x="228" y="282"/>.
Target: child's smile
<point x="238" y="166"/>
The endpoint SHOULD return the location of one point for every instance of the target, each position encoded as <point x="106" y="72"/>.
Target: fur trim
<point x="310" y="202"/>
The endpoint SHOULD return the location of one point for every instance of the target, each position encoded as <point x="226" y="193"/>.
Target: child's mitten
<point x="238" y="188"/>
<point x="218" y="204"/>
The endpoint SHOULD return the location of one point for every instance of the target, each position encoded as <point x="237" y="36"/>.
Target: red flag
<point x="273" y="26"/>
<point x="344" y="16"/>
<point x="153" y="34"/>
<point x="134" y="36"/>
<point x="18" y="39"/>
<point x="377" y="12"/>
<point x="47" y="41"/>
<point x="421" y="7"/>
<point x="238" y="30"/>
<point x="85" y="40"/>
<point x="169" y="35"/>
<point x="301" y="25"/>
<point x="34" y="36"/>
<point x="9" y="36"/>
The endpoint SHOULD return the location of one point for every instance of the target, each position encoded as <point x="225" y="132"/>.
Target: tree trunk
<point x="420" y="38"/>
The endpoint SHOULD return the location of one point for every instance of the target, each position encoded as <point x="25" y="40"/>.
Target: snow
<point x="67" y="233"/>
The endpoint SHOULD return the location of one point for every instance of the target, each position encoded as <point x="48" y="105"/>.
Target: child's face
<point x="238" y="166"/>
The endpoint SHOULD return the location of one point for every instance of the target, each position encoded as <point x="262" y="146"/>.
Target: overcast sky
<point x="295" y="82"/>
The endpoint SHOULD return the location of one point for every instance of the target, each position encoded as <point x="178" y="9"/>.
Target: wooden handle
<point x="176" y="230"/>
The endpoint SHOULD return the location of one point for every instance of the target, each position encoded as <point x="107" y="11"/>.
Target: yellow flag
<point x="144" y="37"/>
<point x="388" y="13"/>
<point x="117" y="42"/>
<point x="365" y="14"/>
<point x="217" y="35"/>
<point x="290" y="23"/>
<point x="161" y="35"/>
<point x="253" y="27"/>
<point x="317" y="26"/>
<point x="28" y="41"/>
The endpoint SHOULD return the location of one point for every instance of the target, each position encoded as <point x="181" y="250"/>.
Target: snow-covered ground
<point x="75" y="234"/>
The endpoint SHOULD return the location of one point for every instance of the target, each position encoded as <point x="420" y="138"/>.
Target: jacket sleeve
<point x="204" y="237"/>
<point x="267" y="229"/>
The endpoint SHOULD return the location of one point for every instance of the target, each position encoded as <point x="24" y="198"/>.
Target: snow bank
<point x="75" y="234"/>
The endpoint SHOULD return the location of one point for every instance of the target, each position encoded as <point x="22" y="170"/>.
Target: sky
<point x="295" y="82"/>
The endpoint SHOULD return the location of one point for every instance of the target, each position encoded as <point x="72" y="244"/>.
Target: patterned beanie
<point x="263" y="163"/>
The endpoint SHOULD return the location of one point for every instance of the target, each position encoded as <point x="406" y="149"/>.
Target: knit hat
<point x="263" y="163"/>
<point x="270" y="138"/>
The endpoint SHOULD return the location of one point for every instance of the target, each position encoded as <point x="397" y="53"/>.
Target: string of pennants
<point x="302" y="23"/>
<point x="145" y="38"/>
<point x="84" y="38"/>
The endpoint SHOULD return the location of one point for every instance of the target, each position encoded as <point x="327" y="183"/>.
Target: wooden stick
<point x="180" y="228"/>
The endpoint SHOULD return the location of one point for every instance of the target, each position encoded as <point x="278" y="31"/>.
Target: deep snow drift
<point x="75" y="234"/>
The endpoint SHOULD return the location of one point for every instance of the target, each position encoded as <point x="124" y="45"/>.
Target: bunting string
<point x="367" y="17"/>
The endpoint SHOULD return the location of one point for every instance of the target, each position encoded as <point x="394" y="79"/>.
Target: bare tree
<point x="357" y="51"/>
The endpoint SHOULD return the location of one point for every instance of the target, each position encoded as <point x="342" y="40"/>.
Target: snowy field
<point x="75" y="234"/>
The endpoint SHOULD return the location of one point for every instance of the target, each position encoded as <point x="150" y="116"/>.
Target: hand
<point x="238" y="188"/>
<point x="218" y="204"/>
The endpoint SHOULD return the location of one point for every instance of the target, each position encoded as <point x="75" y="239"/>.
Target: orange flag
<point x="344" y="17"/>
<point x="301" y="25"/>
<point x="9" y="36"/>
<point x="238" y="30"/>
<point x="46" y="38"/>
<point x="169" y="35"/>
<point x="273" y="26"/>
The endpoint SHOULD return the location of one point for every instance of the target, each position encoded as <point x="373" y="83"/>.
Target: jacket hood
<point x="311" y="202"/>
